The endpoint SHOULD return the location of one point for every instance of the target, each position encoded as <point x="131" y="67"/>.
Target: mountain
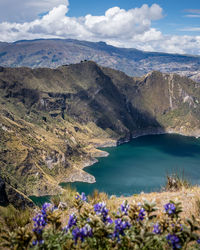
<point x="52" y="120"/>
<point x="54" y="52"/>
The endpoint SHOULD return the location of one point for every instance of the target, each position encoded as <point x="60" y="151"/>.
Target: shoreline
<point x="85" y="177"/>
<point x="126" y="140"/>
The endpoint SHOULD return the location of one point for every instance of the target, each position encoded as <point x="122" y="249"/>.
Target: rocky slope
<point x="52" y="120"/>
<point x="55" y="52"/>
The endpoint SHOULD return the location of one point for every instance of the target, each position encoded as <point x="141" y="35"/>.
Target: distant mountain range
<point x="56" y="52"/>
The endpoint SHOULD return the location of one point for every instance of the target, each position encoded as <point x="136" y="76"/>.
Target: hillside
<point x="52" y="120"/>
<point x="54" y="52"/>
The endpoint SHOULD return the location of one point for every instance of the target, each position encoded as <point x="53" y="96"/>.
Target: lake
<point x="142" y="165"/>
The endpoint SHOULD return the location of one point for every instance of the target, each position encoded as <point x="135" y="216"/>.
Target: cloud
<point x="192" y="29"/>
<point x="118" y="27"/>
<point x="192" y="16"/>
<point x="193" y="11"/>
<point x="174" y="44"/>
<point x="26" y="10"/>
<point x="115" y="23"/>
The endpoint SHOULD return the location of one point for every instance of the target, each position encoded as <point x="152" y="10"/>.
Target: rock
<point x="18" y="199"/>
<point x="3" y="195"/>
<point x="62" y="205"/>
<point x="9" y="195"/>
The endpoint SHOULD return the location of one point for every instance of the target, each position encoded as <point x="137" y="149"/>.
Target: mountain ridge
<point x="56" y="52"/>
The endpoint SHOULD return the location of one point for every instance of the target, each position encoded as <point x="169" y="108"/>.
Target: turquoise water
<point x="143" y="163"/>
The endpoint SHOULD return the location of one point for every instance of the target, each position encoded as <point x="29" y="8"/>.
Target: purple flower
<point x="198" y="241"/>
<point x="156" y="229"/>
<point x="81" y="233"/>
<point x="45" y="207"/>
<point x="170" y="208"/>
<point x="36" y="242"/>
<point x="83" y="197"/>
<point x="174" y="241"/>
<point x="86" y="231"/>
<point x="72" y="220"/>
<point x="40" y="222"/>
<point x="141" y="214"/>
<point x="120" y="227"/>
<point x="100" y="209"/>
<point x="125" y="207"/>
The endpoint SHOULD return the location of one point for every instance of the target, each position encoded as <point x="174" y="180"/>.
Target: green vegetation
<point x="14" y="218"/>
<point x="177" y="181"/>
<point x="99" y="223"/>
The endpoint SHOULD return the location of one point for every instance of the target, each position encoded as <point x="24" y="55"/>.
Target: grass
<point x="176" y="181"/>
<point x="96" y="197"/>
<point x="66" y="197"/>
<point x="13" y="218"/>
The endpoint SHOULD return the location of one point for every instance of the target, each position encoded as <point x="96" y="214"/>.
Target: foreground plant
<point x="94" y="226"/>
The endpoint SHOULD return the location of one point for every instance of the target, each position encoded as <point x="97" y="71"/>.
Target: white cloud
<point x="192" y="16"/>
<point x="118" y="27"/>
<point x="193" y="11"/>
<point x="115" y="23"/>
<point x="26" y="10"/>
<point x="191" y="29"/>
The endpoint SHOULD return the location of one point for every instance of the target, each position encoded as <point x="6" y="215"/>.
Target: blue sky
<point x="153" y="25"/>
<point x="175" y="12"/>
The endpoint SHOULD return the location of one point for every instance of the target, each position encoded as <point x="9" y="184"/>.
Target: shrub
<point x="176" y="181"/>
<point x="94" y="226"/>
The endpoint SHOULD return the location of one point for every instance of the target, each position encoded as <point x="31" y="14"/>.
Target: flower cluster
<point x="170" y="208"/>
<point x="124" y="207"/>
<point x="100" y="209"/>
<point x="82" y="197"/>
<point x="120" y="227"/>
<point x="40" y="220"/>
<point x="39" y="223"/>
<point x="174" y="241"/>
<point x="157" y="229"/>
<point x="71" y="222"/>
<point x="81" y="233"/>
<point x="37" y="242"/>
<point x="141" y="214"/>
<point x="45" y="207"/>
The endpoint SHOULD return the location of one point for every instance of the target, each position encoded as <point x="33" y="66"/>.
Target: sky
<point x="171" y="26"/>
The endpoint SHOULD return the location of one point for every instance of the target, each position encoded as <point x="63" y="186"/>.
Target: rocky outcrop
<point x="18" y="199"/>
<point x="3" y="196"/>
<point x="9" y="195"/>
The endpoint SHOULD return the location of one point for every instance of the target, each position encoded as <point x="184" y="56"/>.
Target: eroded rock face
<point x="17" y="199"/>
<point x="9" y="195"/>
<point x="3" y="195"/>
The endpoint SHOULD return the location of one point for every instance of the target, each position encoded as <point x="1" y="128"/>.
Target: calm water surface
<point x="142" y="165"/>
